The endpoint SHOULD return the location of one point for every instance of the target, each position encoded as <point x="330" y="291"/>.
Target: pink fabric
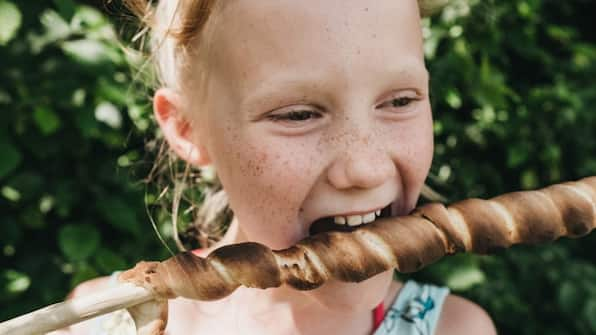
<point x="378" y="315"/>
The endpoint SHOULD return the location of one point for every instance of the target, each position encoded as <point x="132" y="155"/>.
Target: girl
<point x="307" y="110"/>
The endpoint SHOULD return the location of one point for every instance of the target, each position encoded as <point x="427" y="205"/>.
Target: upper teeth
<point x="355" y="220"/>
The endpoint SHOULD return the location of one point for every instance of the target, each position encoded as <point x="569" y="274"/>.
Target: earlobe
<point x="168" y="109"/>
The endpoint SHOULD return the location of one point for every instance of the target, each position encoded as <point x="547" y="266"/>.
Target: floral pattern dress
<point x="416" y="311"/>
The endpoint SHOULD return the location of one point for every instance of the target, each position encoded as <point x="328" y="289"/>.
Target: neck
<point x="303" y="311"/>
<point x="279" y="311"/>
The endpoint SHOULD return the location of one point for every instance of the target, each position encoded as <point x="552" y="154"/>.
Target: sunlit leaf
<point x="55" y="29"/>
<point x="88" y="52"/>
<point x="465" y="277"/>
<point x="10" y="21"/>
<point x="46" y="203"/>
<point x="10" y="193"/>
<point x="15" y="282"/>
<point x="86" y="16"/>
<point x="109" y="114"/>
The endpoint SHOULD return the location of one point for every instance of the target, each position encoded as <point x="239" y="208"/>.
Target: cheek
<point x="420" y="147"/>
<point x="264" y="177"/>
<point x="412" y="151"/>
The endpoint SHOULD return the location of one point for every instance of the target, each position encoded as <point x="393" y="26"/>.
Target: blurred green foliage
<point x="512" y="93"/>
<point x="70" y="129"/>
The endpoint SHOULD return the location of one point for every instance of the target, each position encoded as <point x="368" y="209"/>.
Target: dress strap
<point x="378" y="315"/>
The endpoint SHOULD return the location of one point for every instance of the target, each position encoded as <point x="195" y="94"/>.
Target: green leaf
<point x="109" y="261"/>
<point x="84" y="272"/>
<point x="78" y="242"/>
<point x="529" y="179"/>
<point x="87" y="124"/>
<point x="11" y="158"/>
<point x="569" y="297"/>
<point x="590" y="314"/>
<point x="46" y="120"/>
<point x="66" y="8"/>
<point x="10" y="231"/>
<point x="111" y="91"/>
<point x="10" y="21"/>
<point x="32" y="218"/>
<point x="516" y="156"/>
<point x="30" y="184"/>
<point x="119" y="215"/>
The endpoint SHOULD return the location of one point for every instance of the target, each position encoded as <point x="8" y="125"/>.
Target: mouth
<point x="347" y="224"/>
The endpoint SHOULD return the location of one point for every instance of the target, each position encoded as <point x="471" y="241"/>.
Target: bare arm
<point x="461" y="316"/>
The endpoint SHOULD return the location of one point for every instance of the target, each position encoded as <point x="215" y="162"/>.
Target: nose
<point x="362" y="165"/>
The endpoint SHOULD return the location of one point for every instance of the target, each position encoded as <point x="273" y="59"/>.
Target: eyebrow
<point x="285" y="88"/>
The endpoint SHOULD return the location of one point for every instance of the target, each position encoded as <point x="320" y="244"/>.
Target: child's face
<point x="360" y="137"/>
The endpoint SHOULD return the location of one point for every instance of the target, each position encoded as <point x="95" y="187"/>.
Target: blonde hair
<point x="178" y="31"/>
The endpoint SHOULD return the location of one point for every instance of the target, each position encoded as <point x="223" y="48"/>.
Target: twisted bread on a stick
<point x="404" y="243"/>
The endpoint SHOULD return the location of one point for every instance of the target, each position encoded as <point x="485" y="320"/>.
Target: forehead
<point x="257" y="39"/>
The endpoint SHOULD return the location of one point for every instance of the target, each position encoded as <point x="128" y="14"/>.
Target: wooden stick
<point x="66" y="313"/>
<point x="432" y="231"/>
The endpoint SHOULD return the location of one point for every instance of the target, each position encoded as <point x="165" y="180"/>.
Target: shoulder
<point x="89" y="286"/>
<point x="461" y="316"/>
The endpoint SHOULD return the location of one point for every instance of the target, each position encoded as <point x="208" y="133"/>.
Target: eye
<point x="399" y="102"/>
<point x="295" y="116"/>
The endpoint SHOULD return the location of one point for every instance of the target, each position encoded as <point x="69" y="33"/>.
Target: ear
<point x="177" y="130"/>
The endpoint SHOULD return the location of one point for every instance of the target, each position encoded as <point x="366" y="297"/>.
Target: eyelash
<point x="288" y="116"/>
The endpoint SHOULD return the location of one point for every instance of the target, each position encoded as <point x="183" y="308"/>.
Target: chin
<point x="342" y="296"/>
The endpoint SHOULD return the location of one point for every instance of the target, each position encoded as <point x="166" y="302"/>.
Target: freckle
<point x="366" y="9"/>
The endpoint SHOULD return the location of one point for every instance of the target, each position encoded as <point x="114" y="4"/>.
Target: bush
<point x="511" y="91"/>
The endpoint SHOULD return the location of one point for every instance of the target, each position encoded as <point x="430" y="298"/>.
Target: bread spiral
<point x="406" y="243"/>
